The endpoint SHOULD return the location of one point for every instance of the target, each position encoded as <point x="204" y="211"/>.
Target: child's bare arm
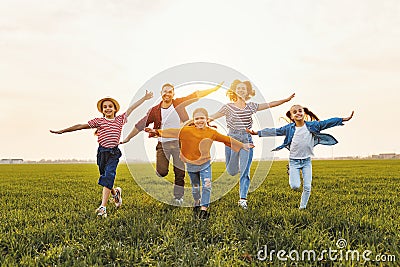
<point x="167" y="133"/>
<point x="72" y="128"/>
<point x="247" y="146"/>
<point x="132" y="134"/>
<point x="147" y="96"/>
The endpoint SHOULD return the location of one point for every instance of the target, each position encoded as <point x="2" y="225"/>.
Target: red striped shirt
<point x="109" y="131"/>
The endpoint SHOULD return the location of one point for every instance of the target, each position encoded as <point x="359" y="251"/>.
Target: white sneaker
<point x="118" y="197"/>
<point x="101" y="212"/>
<point x="178" y="201"/>
<point x="243" y="203"/>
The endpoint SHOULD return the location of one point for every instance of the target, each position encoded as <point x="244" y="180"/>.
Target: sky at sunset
<point x="58" y="58"/>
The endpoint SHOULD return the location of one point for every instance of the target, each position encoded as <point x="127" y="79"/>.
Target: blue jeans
<point x="241" y="160"/>
<point x="303" y="165"/>
<point x="107" y="160"/>
<point x="201" y="173"/>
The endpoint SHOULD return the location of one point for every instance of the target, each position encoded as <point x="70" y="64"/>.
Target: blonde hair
<point x="231" y="93"/>
<point x="202" y="111"/>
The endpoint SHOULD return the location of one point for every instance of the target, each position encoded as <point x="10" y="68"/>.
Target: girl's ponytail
<point x="310" y="114"/>
<point x="288" y="115"/>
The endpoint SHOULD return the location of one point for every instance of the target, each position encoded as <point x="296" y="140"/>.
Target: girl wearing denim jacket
<point x="238" y="116"/>
<point x="108" y="130"/>
<point x="301" y="137"/>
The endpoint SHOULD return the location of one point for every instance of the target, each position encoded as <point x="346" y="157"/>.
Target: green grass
<point x="47" y="218"/>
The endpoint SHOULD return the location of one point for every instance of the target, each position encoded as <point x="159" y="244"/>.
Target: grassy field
<point x="47" y="218"/>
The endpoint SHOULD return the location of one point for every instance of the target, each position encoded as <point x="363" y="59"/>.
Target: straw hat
<point x="100" y="103"/>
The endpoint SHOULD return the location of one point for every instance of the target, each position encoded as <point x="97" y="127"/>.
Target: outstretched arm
<point x="72" y="128"/>
<point x="349" y="118"/>
<point x="206" y="92"/>
<point x="168" y="133"/>
<point x="147" y="96"/>
<point x="247" y="146"/>
<point x="332" y="122"/>
<point x="275" y="103"/>
<point x="270" y="131"/>
<point x="252" y="132"/>
<point x="132" y="134"/>
<point x="234" y="144"/>
<point x="216" y="115"/>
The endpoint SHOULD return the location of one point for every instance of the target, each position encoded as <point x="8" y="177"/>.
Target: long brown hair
<point x="231" y="93"/>
<point x="309" y="114"/>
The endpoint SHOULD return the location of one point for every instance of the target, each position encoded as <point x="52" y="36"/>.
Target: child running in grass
<point x="108" y="130"/>
<point x="301" y="137"/>
<point x="238" y="115"/>
<point x="196" y="139"/>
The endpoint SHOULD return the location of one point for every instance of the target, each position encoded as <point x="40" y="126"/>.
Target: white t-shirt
<point x="302" y="144"/>
<point x="169" y="119"/>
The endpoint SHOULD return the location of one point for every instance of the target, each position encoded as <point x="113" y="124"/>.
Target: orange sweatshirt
<point x="196" y="143"/>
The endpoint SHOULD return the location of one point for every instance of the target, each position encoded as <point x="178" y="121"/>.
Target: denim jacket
<point x="315" y="127"/>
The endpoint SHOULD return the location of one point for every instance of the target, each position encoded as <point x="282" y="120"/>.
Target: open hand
<point x="251" y="132"/>
<point x="290" y="97"/>
<point x="148" y="95"/>
<point x="123" y="142"/>
<point x="152" y="132"/>
<point x="247" y="146"/>
<point x="349" y="118"/>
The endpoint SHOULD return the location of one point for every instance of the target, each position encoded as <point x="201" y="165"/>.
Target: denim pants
<point x="164" y="151"/>
<point x="303" y="165"/>
<point x="240" y="161"/>
<point x="107" y="160"/>
<point x="200" y="173"/>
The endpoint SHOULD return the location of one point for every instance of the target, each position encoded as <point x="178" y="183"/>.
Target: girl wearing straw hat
<point x="108" y="130"/>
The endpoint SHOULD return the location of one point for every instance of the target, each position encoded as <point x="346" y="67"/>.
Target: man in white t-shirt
<point x="170" y="113"/>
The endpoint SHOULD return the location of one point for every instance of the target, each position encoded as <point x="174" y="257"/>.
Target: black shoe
<point x="196" y="210"/>
<point x="204" y="215"/>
